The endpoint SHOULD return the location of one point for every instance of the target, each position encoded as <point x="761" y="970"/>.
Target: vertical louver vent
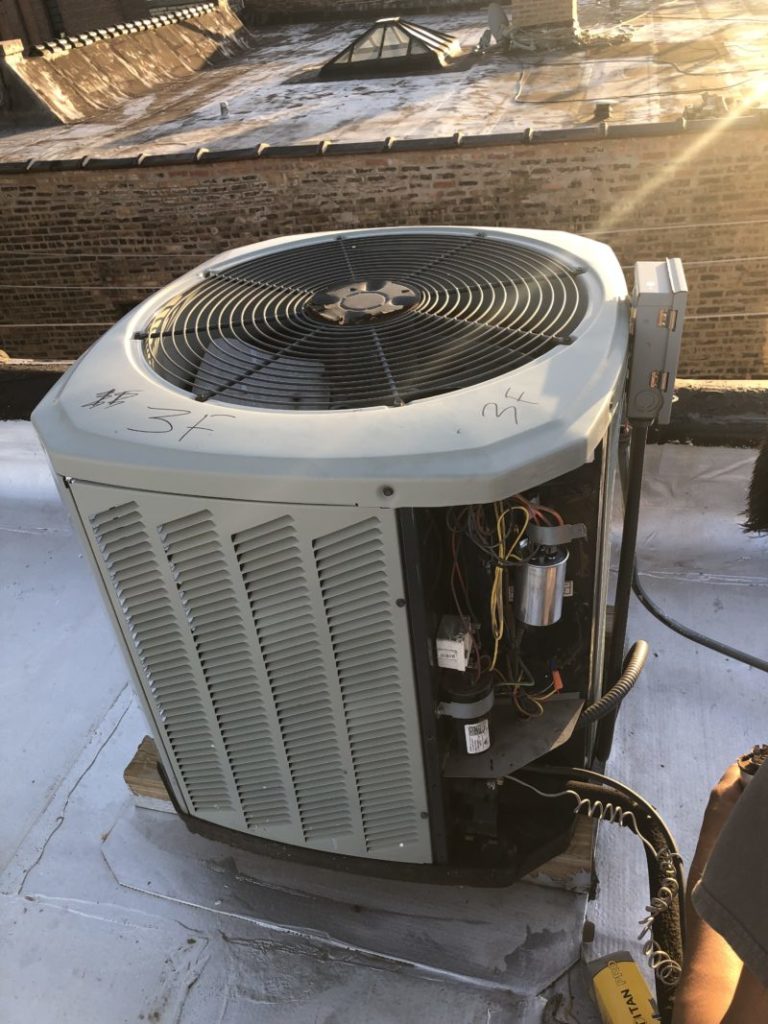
<point x="353" y="577"/>
<point x="275" y="662"/>
<point x="160" y="648"/>
<point x="222" y="642"/>
<point x="275" y="578"/>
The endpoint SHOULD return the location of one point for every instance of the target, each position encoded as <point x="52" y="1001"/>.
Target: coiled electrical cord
<point x="666" y="969"/>
<point x="587" y="775"/>
<point x="661" y="932"/>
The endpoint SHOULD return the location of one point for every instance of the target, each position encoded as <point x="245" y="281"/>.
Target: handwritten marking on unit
<point x="513" y="399"/>
<point x="111" y="397"/>
<point x="108" y="399"/>
<point x="498" y="413"/>
<point x="170" y="414"/>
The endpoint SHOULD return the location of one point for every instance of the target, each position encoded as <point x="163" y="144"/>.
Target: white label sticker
<point x="452" y="654"/>
<point x="477" y="737"/>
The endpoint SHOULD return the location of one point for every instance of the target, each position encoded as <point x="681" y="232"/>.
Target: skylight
<point x="393" y="45"/>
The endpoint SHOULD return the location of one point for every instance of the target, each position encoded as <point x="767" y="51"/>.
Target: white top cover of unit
<point x="114" y="419"/>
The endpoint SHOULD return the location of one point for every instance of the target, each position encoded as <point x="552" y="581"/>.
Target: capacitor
<point x="468" y="703"/>
<point x="539" y="585"/>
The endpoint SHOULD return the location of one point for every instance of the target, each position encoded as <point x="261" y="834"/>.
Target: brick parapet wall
<point x="20" y="19"/>
<point x="527" y="14"/>
<point x="30" y="19"/>
<point x="523" y="14"/>
<point x="85" y="15"/>
<point x="82" y="246"/>
<point x="257" y="12"/>
<point x="75" y="78"/>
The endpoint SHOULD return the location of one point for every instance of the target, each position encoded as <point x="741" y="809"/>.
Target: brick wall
<point x="81" y="247"/>
<point x="528" y="14"/>
<point x="85" y="15"/>
<point x="24" y="19"/>
<point x="31" y="21"/>
<point x="256" y="12"/>
<point x="523" y="14"/>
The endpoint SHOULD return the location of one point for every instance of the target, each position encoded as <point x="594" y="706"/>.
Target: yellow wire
<point x="504" y="555"/>
<point x="523" y="711"/>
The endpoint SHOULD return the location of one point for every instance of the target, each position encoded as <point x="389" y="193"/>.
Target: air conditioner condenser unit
<point x="347" y="496"/>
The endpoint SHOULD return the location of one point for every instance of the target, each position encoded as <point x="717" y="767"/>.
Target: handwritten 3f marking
<point x="111" y="397"/>
<point x="170" y="414"/>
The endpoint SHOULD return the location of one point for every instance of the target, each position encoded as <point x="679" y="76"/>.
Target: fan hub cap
<point x="361" y="301"/>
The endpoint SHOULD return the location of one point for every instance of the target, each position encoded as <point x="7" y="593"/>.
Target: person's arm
<point x="750" y="1001"/>
<point x="712" y="970"/>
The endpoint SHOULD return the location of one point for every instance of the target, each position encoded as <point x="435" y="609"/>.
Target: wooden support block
<point x="573" y="869"/>
<point x="142" y="777"/>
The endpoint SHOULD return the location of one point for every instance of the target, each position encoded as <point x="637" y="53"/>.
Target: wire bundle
<point x="498" y="531"/>
<point x="505" y="553"/>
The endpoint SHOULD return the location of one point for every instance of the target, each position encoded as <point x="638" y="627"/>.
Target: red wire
<point x="454" y="570"/>
<point x="552" y="512"/>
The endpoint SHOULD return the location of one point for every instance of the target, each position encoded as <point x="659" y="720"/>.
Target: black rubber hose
<point x="632" y="494"/>
<point x="587" y="775"/>
<point x="667" y="931"/>
<point x="691" y="634"/>
<point x="668" y="927"/>
<point x="677" y="627"/>
<point x="610" y="701"/>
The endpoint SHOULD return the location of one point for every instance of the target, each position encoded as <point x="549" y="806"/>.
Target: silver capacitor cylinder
<point x="538" y="588"/>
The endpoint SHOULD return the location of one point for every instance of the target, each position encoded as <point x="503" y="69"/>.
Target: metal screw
<point x="387" y="491"/>
<point x="400" y="602"/>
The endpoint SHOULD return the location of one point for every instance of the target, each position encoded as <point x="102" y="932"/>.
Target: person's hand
<point x="723" y="798"/>
<point x="712" y="970"/>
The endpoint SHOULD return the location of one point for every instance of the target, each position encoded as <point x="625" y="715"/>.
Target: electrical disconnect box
<point x="659" y="299"/>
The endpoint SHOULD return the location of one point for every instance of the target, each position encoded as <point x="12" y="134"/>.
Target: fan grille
<point x="294" y="329"/>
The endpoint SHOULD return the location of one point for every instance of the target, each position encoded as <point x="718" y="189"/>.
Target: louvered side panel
<point x="142" y="594"/>
<point x="220" y="636"/>
<point x="285" y="619"/>
<point x="275" y="660"/>
<point x="353" y="576"/>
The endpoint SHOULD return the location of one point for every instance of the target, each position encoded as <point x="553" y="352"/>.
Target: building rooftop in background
<point x="648" y="66"/>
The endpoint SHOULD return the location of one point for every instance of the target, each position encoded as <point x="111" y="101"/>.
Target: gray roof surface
<point x="116" y="913"/>
<point x="659" y="59"/>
